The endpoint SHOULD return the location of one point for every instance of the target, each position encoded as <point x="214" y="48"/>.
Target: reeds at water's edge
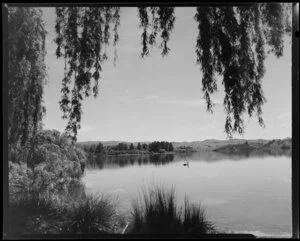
<point x="158" y="213"/>
<point x="64" y="213"/>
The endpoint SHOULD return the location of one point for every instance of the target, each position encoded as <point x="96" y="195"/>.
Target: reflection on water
<point x="100" y="162"/>
<point x="243" y="193"/>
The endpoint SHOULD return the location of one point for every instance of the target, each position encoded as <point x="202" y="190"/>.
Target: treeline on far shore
<point x="126" y="148"/>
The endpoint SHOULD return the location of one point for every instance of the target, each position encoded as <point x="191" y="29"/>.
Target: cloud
<point x="129" y="48"/>
<point x="205" y="127"/>
<point x="284" y="115"/>
<point x="125" y="95"/>
<point x="151" y="97"/>
<point x="86" y="128"/>
<point x="182" y="102"/>
<point x="285" y="119"/>
<point x="284" y="125"/>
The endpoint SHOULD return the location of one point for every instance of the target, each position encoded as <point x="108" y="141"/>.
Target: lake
<point x="240" y="193"/>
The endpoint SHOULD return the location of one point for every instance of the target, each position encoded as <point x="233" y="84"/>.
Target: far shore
<point x="137" y="154"/>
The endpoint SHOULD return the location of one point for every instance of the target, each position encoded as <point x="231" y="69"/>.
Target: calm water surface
<point x="250" y="194"/>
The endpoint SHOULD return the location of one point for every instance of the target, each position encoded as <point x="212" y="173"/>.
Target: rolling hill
<point x="223" y="146"/>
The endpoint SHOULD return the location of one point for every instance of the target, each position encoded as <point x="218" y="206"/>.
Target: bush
<point x="93" y="215"/>
<point x="54" y="163"/>
<point x="39" y="186"/>
<point x="67" y="212"/>
<point x="158" y="213"/>
<point x="31" y="214"/>
<point x="194" y="221"/>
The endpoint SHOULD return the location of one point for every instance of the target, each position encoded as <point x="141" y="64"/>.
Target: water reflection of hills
<point x="211" y="156"/>
<point x="112" y="162"/>
<point x="101" y="162"/>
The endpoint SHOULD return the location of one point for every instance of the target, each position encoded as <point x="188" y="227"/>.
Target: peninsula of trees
<point x="123" y="148"/>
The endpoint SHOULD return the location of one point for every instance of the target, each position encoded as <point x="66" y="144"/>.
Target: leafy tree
<point x="125" y="147"/>
<point x="56" y="163"/>
<point x="139" y="146"/>
<point x="131" y="147"/>
<point x="99" y="148"/>
<point x="145" y="146"/>
<point x="26" y="73"/>
<point x="122" y="147"/>
<point x="92" y="149"/>
<point x="231" y="43"/>
<point x="171" y="148"/>
<point x="157" y="146"/>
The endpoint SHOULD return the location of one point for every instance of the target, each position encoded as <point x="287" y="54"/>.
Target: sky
<point x="160" y="98"/>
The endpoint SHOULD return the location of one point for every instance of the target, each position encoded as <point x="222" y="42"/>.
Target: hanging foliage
<point x="156" y="20"/>
<point x="232" y="43"/>
<point x="26" y="73"/>
<point x="83" y="34"/>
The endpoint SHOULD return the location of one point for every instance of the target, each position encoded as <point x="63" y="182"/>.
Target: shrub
<point x="194" y="220"/>
<point x="158" y="213"/>
<point x="69" y="211"/>
<point x="33" y="214"/>
<point x="93" y="214"/>
<point x="39" y="185"/>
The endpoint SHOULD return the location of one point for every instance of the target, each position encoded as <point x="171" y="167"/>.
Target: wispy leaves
<point x="83" y="36"/>
<point x="156" y="21"/>
<point x="231" y="43"/>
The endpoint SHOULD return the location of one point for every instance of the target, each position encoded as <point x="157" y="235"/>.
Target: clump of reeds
<point x="158" y="213"/>
<point x="61" y="213"/>
<point x="33" y="214"/>
<point x="93" y="214"/>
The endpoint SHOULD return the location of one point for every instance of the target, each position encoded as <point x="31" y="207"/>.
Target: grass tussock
<point x="94" y="214"/>
<point x="64" y="214"/>
<point x="158" y="213"/>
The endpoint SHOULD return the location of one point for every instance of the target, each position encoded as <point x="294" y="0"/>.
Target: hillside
<point x="274" y="147"/>
<point x="212" y="144"/>
<point x="236" y="148"/>
<point x="224" y="146"/>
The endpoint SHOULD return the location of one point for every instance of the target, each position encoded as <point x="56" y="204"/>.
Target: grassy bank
<point x="75" y="212"/>
<point x="64" y="213"/>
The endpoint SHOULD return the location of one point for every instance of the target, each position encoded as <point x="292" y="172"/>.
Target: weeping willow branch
<point x="82" y="37"/>
<point x="26" y="73"/>
<point x="232" y="43"/>
<point x="157" y="20"/>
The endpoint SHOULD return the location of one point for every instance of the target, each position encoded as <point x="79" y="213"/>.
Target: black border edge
<point x="130" y="4"/>
<point x="5" y="119"/>
<point x="295" y="122"/>
<point x="295" y="109"/>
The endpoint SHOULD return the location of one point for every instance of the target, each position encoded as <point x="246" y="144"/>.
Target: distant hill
<point x="108" y="143"/>
<point x="225" y="146"/>
<point x="212" y="144"/>
<point x="274" y="147"/>
<point x="105" y="143"/>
